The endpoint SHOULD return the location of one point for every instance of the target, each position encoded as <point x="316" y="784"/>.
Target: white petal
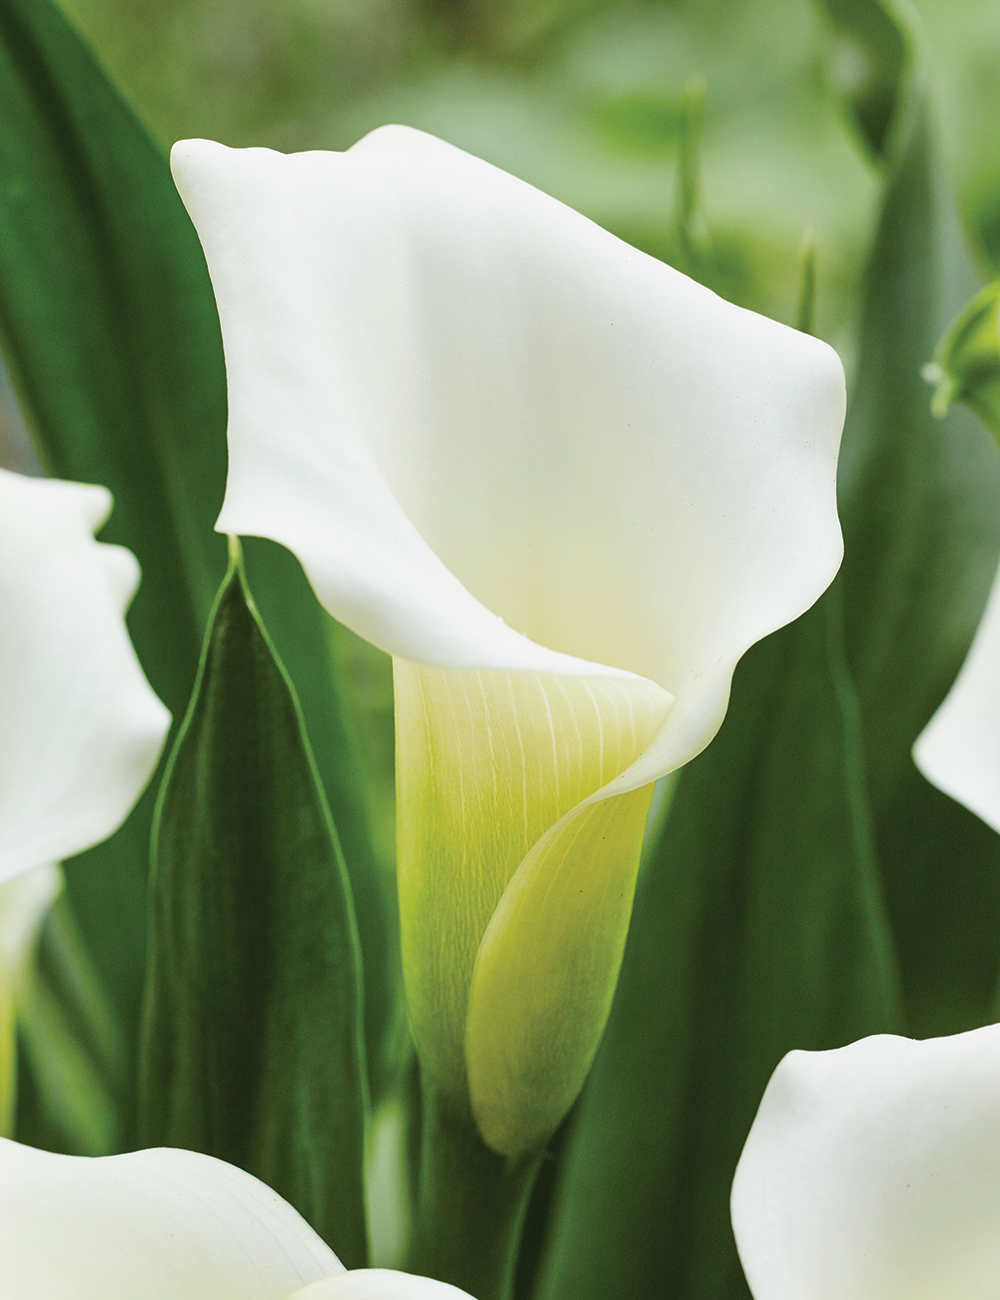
<point x="459" y="402"/>
<point x="873" y="1173"/>
<point x="959" y="749"/>
<point x="155" y="1225"/>
<point x="380" y="1284"/>
<point x="80" y="728"/>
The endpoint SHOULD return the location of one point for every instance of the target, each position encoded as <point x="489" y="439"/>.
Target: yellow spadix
<point x="516" y="874"/>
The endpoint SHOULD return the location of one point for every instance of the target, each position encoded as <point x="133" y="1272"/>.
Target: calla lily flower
<point x="871" y="1173"/>
<point x="959" y="749"/>
<point x="566" y="488"/>
<point x="80" y="728"/>
<point x="167" y="1225"/>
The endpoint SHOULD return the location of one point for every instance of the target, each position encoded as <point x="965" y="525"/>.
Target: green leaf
<point x="303" y="633"/>
<point x="920" y="504"/>
<point x="872" y="59"/>
<point x="253" y="1049"/>
<point x="758" y="927"/>
<point x="108" y="324"/>
<point x="73" y="1073"/>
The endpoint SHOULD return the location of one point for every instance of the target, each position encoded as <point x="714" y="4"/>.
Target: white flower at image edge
<point x="566" y="488"/>
<point x="167" y="1225"/>
<point x="959" y="749"/>
<point x="80" y="728"/>
<point x="873" y="1173"/>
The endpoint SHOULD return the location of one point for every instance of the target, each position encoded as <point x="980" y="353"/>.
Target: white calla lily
<point x="166" y="1225"/>
<point x="80" y="728"/>
<point x="566" y="488"/>
<point x="959" y="749"/>
<point x="380" y="1284"/>
<point x="870" y="1173"/>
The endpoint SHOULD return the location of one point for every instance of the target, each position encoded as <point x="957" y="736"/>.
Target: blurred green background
<point x="583" y="98"/>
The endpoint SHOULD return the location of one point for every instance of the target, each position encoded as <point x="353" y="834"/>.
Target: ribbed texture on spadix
<point x="486" y="764"/>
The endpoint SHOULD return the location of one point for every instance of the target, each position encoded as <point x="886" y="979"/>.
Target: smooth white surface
<point x="380" y="1284"/>
<point x="873" y="1173"/>
<point x="152" y="1225"/>
<point x="459" y="402"/>
<point x="959" y="749"/>
<point x="80" y="728"/>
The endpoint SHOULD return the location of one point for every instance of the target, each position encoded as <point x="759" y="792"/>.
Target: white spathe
<point x="380" y="1284"/>
<point x="166" y="1225"/>
<point x="497" y="437"/>
<point x="873" y="1173"/>
<point x="959" y="749"/>
<point x="160" y="1225"/>
<point x="80" y="728"/>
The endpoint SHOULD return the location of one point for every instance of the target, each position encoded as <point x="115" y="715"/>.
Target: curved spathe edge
<point x="870" y="1164"/>
<point x="357" y="575"/>
<point x="678" y="740"/>
<point x="959" y="749"/>
<point x="181" y="1221"/>
<point x="380" y="1284"/>
<point x="72" y="591"/>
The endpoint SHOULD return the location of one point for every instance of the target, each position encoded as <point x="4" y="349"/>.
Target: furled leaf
<point x="758" y="927"/>
<point x="252" y="1038"/>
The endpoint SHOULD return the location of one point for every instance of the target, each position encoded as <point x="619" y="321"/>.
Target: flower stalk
<point x="471" y="1204"/>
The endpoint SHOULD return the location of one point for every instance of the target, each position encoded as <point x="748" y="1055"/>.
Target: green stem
<point x="470" y="1207"/>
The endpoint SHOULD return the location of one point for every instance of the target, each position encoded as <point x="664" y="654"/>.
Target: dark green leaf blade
<point x="301" y="631"/>
<point x="253" y="1047"/>
<point x="758" y="927"/>
<point x="110" y="328"/>
<point x="920" y="504"/>
<point x="108" y="324"/>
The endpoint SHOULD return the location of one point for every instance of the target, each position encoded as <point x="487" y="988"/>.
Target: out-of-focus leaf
<point x="758" y="927"/>
<point x="253" y="1047"/>
<point x="921" y="512"/>
<point x="871" y="59"/>
<point x="73" y="1072"/>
